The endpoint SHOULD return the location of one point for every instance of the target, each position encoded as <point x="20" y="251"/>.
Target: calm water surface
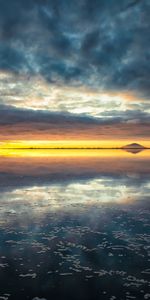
<point x="74" y="226"/>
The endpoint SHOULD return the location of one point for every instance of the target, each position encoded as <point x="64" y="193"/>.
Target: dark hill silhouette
<point x="134" y="148"/>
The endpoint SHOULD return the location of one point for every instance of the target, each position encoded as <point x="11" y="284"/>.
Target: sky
<point x="74" y="71"/>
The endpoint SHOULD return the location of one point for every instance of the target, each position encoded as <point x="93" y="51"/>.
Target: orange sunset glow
<point x="71" y="144"/>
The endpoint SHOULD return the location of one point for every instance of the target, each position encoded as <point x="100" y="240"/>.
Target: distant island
<point x="134" y="148"/>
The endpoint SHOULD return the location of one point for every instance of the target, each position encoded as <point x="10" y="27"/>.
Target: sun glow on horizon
<point x="70" y="144"/>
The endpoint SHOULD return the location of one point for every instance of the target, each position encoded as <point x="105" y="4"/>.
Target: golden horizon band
<point x="70" y="144"/>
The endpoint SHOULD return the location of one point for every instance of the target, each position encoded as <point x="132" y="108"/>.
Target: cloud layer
<point x="25" y="124"/>
<point x="84" y="41"/>
<point x="75" y="57"/>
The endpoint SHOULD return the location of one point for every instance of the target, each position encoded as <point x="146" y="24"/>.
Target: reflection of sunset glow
<point x="73" y="153"/>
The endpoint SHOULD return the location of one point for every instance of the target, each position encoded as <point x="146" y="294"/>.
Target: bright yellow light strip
<point x="71" y="144"/>
<point x="109" y="153"/>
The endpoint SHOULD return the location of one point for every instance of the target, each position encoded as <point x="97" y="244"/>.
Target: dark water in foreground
<point x="74" y="227"/>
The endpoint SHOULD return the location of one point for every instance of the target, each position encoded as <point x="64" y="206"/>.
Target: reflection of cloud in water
<point x="30" y="171"/>
<point x="64" y="227"/>
<point x="37" y="200"/>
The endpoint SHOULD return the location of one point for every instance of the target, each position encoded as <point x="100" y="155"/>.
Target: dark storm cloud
<point x="10" y="115"/>
<point x="98" y="43"/>
<point x="28" y="124"/>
